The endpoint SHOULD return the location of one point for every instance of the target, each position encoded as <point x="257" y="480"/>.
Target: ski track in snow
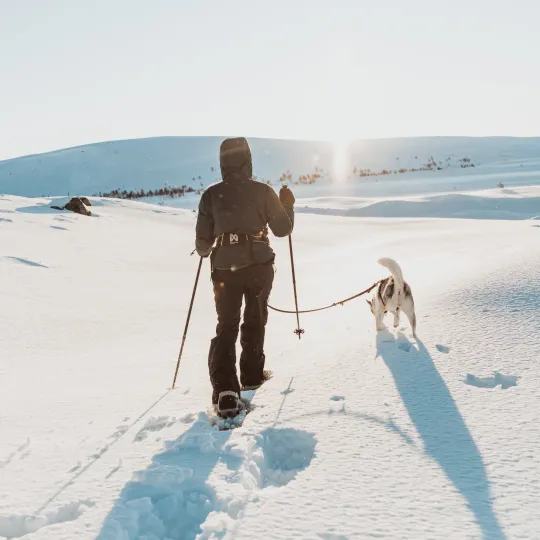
<point x="26" y="262"/>
<point x="19" y="453"/>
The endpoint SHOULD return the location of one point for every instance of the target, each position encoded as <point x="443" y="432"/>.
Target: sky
<point x="82" y="71"/>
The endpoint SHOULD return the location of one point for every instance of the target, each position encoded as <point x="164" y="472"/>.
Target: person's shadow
<point x="439" y="423"/>
<point x="172" y="498"/>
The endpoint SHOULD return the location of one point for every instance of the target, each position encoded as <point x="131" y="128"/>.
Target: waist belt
<point x="237" y="239"/>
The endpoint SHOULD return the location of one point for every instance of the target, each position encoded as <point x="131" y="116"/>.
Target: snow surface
<point x="357" y="435"/>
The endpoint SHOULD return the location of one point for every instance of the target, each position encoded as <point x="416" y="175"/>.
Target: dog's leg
<point x="396" y="318"/>
<point x="379" y="317"/>
<point x="408" y="308"/>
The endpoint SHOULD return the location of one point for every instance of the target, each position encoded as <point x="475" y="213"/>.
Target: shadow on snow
<point x="439" y="423"/>
<point x="171" y="498"/>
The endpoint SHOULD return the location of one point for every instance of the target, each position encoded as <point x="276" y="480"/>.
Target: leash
<point x="340" y="303"/>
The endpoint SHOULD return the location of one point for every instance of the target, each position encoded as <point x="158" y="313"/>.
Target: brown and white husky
<point x="393" y="294"/>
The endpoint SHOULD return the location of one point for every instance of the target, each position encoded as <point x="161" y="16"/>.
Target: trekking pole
<point x="187" y="321"/>
<point x="299" y="331"/>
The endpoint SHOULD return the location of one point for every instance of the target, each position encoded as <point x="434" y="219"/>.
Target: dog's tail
<point x="395" y="270"/>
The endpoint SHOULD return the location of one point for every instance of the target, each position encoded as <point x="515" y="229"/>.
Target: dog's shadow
<point x="439" y="423"/>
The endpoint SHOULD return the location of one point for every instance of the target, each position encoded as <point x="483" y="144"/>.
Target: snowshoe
<point x="267" y="375"/>
<point x="227" y="417"/>
<point x="228" y="405"/>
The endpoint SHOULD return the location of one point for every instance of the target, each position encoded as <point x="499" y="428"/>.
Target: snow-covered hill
<point x="193" y="161"/>
<point x="358" y="435"/>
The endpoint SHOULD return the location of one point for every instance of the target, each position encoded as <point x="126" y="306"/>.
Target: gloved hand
<point x="286" y="196"/>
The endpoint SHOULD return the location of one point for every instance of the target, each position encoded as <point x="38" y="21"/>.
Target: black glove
<point x="286" y="196"/>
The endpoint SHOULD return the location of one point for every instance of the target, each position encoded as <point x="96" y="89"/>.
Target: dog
<point x="393" y="294"/>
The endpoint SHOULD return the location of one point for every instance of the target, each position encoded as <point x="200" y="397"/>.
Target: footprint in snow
<point x="17" y="525"/>
<point x="154" y="424"/>
<point x="443" y="348"/>
<point x="120" y="430"/>
<point x="497" y="379"/>
<point x="286" y="452"/>
<point x="332" y="536"/>
<point x="188" y="418"/>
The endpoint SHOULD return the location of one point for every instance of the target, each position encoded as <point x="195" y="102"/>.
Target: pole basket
<point x="299" y="332"/>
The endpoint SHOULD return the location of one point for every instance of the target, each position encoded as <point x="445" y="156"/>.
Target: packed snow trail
<point x="357" y="434"/>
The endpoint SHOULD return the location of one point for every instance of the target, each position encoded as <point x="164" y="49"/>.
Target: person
<point x="235" y="215"/>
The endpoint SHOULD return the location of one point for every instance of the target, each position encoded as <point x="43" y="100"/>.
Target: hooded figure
<point x="235" y="215"/>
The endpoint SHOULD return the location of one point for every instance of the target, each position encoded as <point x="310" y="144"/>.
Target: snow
<point x="358" y="434"/>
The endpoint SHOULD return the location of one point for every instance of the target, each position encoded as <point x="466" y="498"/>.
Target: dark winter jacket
<point x="240" y="205"/>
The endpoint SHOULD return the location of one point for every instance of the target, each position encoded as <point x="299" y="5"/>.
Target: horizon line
<point x="291" y="139"/>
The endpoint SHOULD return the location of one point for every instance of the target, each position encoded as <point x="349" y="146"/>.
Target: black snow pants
<point x="254" y="284"/>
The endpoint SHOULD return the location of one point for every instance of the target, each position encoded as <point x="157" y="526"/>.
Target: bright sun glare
<point x="341" y="161"/>
<point x="342" y="99"/>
